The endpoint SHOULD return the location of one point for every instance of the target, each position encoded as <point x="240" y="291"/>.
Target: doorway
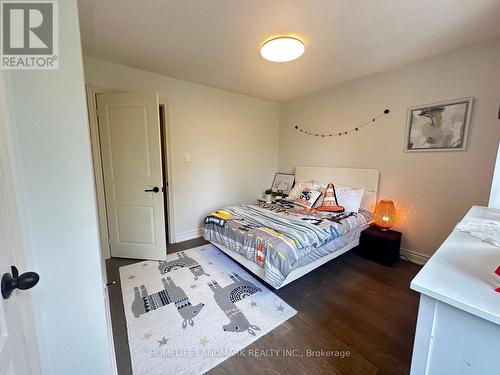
<point x="141" y="176"/>
<point x="163" y="146"/>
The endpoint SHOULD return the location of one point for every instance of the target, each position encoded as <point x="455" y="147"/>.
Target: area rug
<point x="191" y="312"/>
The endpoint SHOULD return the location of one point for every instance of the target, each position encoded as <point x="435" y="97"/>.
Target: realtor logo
<point x="29" y="37"/>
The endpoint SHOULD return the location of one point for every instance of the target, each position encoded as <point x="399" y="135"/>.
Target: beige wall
<point x="232" y="140"/>
<point x="434" y="189"/>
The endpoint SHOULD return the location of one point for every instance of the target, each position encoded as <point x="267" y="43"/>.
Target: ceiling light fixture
<point x="282" y="48"/>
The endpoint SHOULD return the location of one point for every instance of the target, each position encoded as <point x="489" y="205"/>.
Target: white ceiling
<point x="215" y="42"/>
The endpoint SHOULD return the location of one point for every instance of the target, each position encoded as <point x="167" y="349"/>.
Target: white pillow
<point x="349" y="198"/>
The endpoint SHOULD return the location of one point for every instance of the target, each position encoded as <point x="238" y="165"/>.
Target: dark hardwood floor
<point x="348" y="305"/>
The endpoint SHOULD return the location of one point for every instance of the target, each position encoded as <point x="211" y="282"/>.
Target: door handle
<point x="156" y="189"/>
<point x="13" y="281"/>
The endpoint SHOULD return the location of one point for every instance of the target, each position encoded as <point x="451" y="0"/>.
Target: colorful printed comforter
<point x="276" y="235"/>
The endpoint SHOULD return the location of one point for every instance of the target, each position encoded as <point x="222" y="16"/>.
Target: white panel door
<point x="129" y="132"/>
<point x="18" y="345"/>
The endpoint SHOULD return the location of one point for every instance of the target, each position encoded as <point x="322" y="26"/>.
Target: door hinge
<point x="97" y="112"/>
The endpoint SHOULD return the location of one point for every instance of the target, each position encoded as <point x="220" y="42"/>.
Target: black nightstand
<point x="379" y="245"/>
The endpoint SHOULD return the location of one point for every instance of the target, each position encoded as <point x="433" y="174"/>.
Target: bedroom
<point x="222" y="122"/>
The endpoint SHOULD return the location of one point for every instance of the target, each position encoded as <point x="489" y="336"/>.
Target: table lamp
<point x="385" y="214"/>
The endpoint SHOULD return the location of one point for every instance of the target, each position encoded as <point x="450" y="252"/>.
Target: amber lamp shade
<point x="385" y="214"/>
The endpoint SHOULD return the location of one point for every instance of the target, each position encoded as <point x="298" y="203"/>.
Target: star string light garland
<point x="343" y="132"/>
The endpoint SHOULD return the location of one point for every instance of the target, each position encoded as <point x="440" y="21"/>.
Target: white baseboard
<point x="188" y="235"/>
<point x="414" y="257"/>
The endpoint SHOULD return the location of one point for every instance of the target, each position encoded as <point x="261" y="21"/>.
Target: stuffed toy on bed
<point x="218" y="218"/>
<point x="330" y="203"/>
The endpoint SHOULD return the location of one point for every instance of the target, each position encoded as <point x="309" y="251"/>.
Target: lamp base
<point x="380" y="228"/>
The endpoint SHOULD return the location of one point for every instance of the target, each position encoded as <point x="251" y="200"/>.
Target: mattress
<point x="281" y="236"/>
<point x="330" y="247"/>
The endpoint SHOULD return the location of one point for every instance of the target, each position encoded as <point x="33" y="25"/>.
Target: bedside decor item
<point x="385" y="214"/>
<point x="338" y="133"/>
<point x="330" y="203"/>
<point x="283" y="183"/>
<point x="268" y="197"/>
<point x="308" y="198"/>
<point x="440" y="126"/>
<point x="381" y="246"/>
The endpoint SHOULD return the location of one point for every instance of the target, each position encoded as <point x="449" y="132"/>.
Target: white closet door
<point x="129" y="131"/>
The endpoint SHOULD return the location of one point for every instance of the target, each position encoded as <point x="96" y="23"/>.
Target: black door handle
<point x="156" y="189"/>
<point x="13" y="281"/>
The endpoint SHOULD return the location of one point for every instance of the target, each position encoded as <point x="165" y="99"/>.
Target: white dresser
<point x="458" y="326"/>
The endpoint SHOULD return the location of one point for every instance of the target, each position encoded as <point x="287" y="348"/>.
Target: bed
<point x="280" y="242"/>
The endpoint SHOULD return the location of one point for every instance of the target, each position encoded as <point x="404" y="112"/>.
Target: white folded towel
<point x="486" y="230"/>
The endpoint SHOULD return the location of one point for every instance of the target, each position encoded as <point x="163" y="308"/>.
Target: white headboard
<point x="353" y="177"/>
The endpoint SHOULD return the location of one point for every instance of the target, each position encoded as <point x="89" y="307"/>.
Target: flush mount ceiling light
<point x="282" y="48"/>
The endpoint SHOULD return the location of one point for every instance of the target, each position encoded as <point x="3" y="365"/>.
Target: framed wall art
<point x="283" y="183"/>
<point x="440" y="126"/>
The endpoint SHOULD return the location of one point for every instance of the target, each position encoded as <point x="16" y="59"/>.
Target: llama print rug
<point x="191" y="312"/>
